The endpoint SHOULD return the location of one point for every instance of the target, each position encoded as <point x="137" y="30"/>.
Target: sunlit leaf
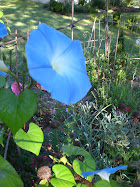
<point x="8" y="175"/>
<point x="8" y="28"/>
<point x="30" y="141"/>
<point x="87" y="165"/>
<point x="63" y="176"/>
<point x="1" y="21"/>
<point x="74" y="150"/>
<point x="1" y="14"/>
<point x="64" y="160"/>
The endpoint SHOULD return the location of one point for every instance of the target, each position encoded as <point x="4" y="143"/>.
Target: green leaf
<point x="53" y="158"/>
<point x="2" y="81"/>
<point x="1" y="21"/>
<point x="8" y="175"/>
<point x="81" y="185"/>
<point x="30" y="141"/>
<point x="43" y="182"/>
<point x="8" y="28"/>
<point x="16" y="111"/>
<point x="64" y="160"/>
<point x="1" y="135"/>
<point x="1" y="14"/>
<point x="114" y="184"/>
<point x="63" y="175"/>
<point x="102" y="183"/>
<point x="87" y="165"/>
<point x="78" y="167"/>
<point x="74" y="150"/>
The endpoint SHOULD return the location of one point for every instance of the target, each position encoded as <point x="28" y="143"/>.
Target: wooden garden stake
<point x="116" y="46"/>
<point x="72" y="19"/>
<point x="16" y="52"/>
<point x="106" y="30"/>
<point x="98" y="58"/>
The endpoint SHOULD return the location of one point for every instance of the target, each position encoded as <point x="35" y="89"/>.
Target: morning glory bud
<point x="3" y="67"/>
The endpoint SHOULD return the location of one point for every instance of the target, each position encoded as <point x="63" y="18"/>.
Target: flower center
<point x="56" y="67"/>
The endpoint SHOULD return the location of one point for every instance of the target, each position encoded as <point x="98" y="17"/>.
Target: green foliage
<point x="133" y="21"/>
<point x="2" y="81"/>
<point x="98" y="4"/>
<point x="63" y="176"/>
<point x="121" y="45"/>
<point x="81" y="2"/>
<point x="116" y="16"/>
<point x="121" y="93"/>
<point x="93" y="11"/>
<point x="1" y="135"/>
<point x="8" y="175"/>
<point x="16" y="110"/>
<point x="80" y="9"/>
<point x="30" y="141"/>
<point x="59" y="7"/>
<point x="102" y="183"/>
<point x="113" y="3"/>
<point x="1" y="14"/>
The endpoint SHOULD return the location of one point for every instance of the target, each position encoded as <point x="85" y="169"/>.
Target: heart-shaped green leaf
<point x="74" y="150"/>
<point x="16" y="111"/>
<point x="8" y="175"/>
<point x="30" y="141"/>
<point x="87" y="165"/>
<point x="63" y="175"/>
<point x="1" y="135"/>
<point x="102" y="183"/>
<point x="114" y="184"/>
<point x="2" y="81"/>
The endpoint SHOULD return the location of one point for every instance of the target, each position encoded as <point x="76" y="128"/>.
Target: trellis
<point x="91" y="42"/>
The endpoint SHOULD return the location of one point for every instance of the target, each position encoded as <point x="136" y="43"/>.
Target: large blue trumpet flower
<point x="3" y="30"/>
<point x="104" y="173"/>
<point x="58" y="64"/>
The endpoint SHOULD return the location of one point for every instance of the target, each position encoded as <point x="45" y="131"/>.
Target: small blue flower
<point x="58" y="64"/>
<point x="3" y="30"/>
<point x="104" y="173"/>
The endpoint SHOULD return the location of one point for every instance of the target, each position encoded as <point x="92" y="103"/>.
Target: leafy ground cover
<point x="105" y="123"/>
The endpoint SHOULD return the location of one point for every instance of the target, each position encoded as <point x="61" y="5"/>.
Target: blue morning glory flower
<point x="58" y="64"/>
<point x="3" y="30"/>
<point x="104" y="173"/>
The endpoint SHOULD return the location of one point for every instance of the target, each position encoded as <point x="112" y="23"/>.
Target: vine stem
<point x="13" y="75"/>
<point x="7" y="144"/>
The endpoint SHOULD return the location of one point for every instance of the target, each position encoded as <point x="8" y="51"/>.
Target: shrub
<point x="79" y="9"/>
<point x="59" y="7"/>
<point x="113" y="3"/>
<point x="121" y="46"/>
<point x="116" y="17"/>
<point x="132" y="21"/>
<point x="98" y="3"/>
<point x="93" y="11"/>
<point x="122" y="93"/>
<point x="81" y="2"/>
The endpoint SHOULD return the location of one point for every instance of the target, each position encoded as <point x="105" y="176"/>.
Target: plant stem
<point x="13" y="75"/>
<point x="7" y="144"/>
